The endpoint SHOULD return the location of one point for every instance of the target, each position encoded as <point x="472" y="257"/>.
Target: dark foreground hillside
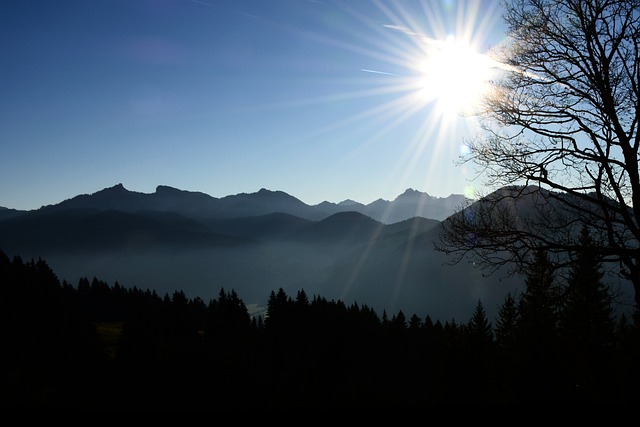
<point x="95" y="346"/>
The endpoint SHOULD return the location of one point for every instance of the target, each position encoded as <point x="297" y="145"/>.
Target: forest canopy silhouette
<point x="96" y="346"/>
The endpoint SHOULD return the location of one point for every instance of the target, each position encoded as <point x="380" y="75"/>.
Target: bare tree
<point x="559" y="141"/>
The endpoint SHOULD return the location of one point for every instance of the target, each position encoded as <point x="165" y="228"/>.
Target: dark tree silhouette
<point x="505" y="329"/>
<point x="561" y="138"/>
<point x="478" y="348"/>
<point x="506" y="336"/>
<point x="538" y="304"/>
<point x="279" y="306"/>
<point x="537" y="332"/>
<point x="479" y="329"/>
<point x="627" y="354"/>
<point x="415" y="323"/>
<point x="50" y="352"/>
<point x="586" y="323"/>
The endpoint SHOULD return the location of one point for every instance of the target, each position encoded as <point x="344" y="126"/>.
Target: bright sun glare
<point x="453" y="76"/>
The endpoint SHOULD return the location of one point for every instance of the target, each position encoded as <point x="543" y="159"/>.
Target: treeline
<point x="94" y="346"/>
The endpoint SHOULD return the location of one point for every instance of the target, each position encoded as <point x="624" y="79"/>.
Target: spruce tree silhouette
<point x="537" y="332"/>
<point x="586" y="323"/>
<point x="506" y="336"/>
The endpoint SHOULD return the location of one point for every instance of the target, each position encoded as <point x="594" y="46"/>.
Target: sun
<point x="430" y="69"/>
<point x="452" y="76"/>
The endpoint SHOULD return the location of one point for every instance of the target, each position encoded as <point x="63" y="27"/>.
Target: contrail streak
<point x="379" y="72"/>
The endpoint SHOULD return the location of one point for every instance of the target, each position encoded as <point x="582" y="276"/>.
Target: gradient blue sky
<point x="313" y="98"/>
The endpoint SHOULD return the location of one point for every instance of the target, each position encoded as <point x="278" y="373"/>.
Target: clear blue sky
<point x="313" y="97"/>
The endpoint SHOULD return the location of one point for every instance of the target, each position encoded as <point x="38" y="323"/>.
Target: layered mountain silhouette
<point x="255" y="243"/>
<point x="410" y="204"/>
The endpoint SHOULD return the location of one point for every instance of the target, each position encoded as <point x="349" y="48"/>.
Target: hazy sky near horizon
<point x="322" y="99"/>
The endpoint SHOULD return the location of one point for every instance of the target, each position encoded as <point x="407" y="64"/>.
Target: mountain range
<point x="381" y="254"/>
<point x="407" y="205"/>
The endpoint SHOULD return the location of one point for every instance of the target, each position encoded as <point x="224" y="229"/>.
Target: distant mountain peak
<point x="349" y="215"/>
<point x="115" y="190"/>
<point x="166" y="189"/>
<point x="265" y="192"/>
<point x="117" y="187"/>
<point x="411" y="193"/>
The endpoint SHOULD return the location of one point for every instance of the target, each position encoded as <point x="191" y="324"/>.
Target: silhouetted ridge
<point x="413" y="226"/>
<point x="349" y="217"/>
<point x="6" y="213"/>
<point x="166" y="190"/>
<point x="410" y="192"/>
<point x="349" y="202"/>
<point x="116" y="197"/>
<point x="343" y="227"/>
<point x="202" y="206"/>
<point x="265" y="202"/>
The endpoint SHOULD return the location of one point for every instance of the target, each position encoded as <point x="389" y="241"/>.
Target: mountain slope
<point x="92" y="230"/>
<point x="343" y="227"/>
